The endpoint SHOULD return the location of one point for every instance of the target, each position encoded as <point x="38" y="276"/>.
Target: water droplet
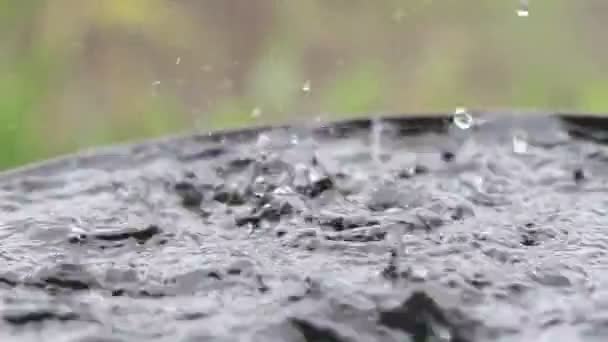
<point x="306" y="87"/>
<point x="523" y="10"/>
<point x="155" y="83"/>
<point x="178" y="60"/>
<point x="256" y="112"/>
<point x="294" y="139"/>
<point x="520" y="142"/>
<point x="462" y="119"/>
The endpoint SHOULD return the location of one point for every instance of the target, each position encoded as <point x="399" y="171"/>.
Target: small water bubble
<point x="306" y="87"/>
<point x="256" y="112"/>
<point x="178" y="60"/>
<point x="462" y="118"/>
<point x="520" y="142"/>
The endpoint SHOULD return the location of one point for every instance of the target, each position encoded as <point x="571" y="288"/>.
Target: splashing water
<point x="294" y="139"/>
<point x="462" y="118"/>
<point x="263" y="141"/>
<point x="306" y="87"/>
<point x="523" y="10"/>
<point x="376" y="140"/>
<point x="520" y="142"/>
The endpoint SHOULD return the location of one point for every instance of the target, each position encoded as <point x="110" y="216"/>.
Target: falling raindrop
<point x="306" y="87"/>
<point x="523" y="10"/>
<point x="155" y="83"/>
<point x="520" y="142"/>
<point x="462" y="118"/>
<point x="178" y="60"/>
<point x="256" y="112"/>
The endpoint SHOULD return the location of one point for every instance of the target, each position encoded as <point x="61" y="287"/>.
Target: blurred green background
<point x="79" y="73"/>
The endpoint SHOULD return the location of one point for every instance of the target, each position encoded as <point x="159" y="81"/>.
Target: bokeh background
<point x="79" y="73"/>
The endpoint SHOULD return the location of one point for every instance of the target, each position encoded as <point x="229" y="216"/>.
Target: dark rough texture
<point x="424" y="232"/>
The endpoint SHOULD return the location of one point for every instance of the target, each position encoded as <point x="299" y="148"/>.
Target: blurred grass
<point x="83" y="73"/>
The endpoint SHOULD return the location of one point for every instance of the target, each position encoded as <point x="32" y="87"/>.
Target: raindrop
<point x="256" y="112"/>
<point x="523" y="10"/>
<point x="462" y="119"/>
<point x="306" y="87"/>
<point x="520" y="142"/>
<point x="178" y="60"/>
<point x="155" y="83"/>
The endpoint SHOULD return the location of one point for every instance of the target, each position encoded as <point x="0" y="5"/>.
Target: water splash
<point x="462" y="118"/>
<point x="520" y="142"/>
<point x="294" y="139"/>
<point x="307" y="86"/>
<point x="524" y="9"/>
<point x="263" y="141"/>
<point x="376" y="140"/>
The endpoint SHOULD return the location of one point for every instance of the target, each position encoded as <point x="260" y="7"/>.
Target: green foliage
<point x="83" y="73"/>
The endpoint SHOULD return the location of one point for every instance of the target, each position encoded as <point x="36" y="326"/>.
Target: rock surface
<point x="425" y="232"/>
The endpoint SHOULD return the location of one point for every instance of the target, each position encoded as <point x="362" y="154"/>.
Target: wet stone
<point x="140" y="235"/>
<point x="315" y="189"/>
<point x="229" y="196"/>
<point x="72" y="277"/>
<point x="312" y="332"/>
<point x="340" y="223"/>
<point x="202" y="155"/>
<point x="190" y="195"/>
<point x="23" y="317"/>
<point x="578" y="175"/>
<point x="424" y="320"/>
<point x="447" y="156"/>
<point x="314" y="239"/>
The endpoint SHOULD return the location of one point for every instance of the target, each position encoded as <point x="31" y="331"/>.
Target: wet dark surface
<point x="411" y="230"/>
